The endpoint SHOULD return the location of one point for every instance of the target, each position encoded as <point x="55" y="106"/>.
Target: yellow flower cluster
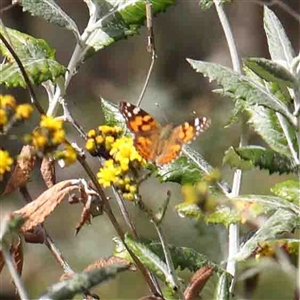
<point x="10" y="112"/>
<point x="122" y="159"/>
<point x="5" y="162"/>
<point x="199" y="194"/>
<point x="48" y="135"/>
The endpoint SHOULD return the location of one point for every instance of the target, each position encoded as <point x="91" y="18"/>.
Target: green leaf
<point x="188" y="210"/>
<point x="281" y="221"/>
<point x="181" y="171"/>
<point x="259" y="157"/>
<point x="280" y="47"/>
<point x="127" y="17"/>
<point x="222" y="291"/>
<point x="37" y="57"/>
<point x="182" y="257"/>
<point x="112" y="115"/>
<point x="271" y="71"/>
<point x="264" y="204"/>
<point x="265" y="122"/>
<point x="223" y="215"/>
<point x="150" y="259"/>
<point x="38" y="70"/>
<point x="289" y="190"/>
<point x="51" y="12"/>
<point x="241" y="87"/>
<point x="81" y="282"/>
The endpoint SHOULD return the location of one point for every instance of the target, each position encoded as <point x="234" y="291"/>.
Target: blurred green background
<point x="117" y="73"/>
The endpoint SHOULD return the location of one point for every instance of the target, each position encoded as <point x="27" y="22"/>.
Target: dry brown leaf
<point x="21" y="174"/>
<point x="197" y="282"/>
<point x="17" y="253"/>
<point x="85" y="216"/>
<point x="38" y="210"/>
<point x="35" y="235"/>
<point x="106" y="262"/>
<point x="66" y="276"/>
<point x="48" y="171"/>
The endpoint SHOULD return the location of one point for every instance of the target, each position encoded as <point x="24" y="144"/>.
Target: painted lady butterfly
<point x="156" y="143"/>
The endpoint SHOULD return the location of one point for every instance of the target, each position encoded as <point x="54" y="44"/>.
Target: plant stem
<point x="237" y="178"/>
<point x="14" y="274"/>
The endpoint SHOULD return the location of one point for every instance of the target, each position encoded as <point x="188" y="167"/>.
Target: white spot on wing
<point x="136" y="110"/>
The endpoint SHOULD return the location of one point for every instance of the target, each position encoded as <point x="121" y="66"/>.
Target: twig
<point x="14" y="274"/>
<point x="150" y="48"/>
<point x="233" y="235"/>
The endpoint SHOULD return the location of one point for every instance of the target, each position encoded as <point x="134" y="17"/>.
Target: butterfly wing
<point x="171" y="148"/>
<point x="145" y="129"/>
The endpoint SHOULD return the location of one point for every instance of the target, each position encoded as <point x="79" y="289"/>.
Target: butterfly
<point x="156" y="143"/>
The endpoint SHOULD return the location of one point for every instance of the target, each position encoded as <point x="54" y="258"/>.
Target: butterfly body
<point x="156" y="143"/>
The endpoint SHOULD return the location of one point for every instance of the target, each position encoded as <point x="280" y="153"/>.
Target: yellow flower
<point x="51" y="123"/>
<point x="69" y="155"/>
<point x="90" y="145"/>
<point x="108" y="174"/>
<point x="99" y="139"/>
<point x="106" y="129"/>
<point x="123" y="149"/>
<point x="5" y="162"/>
<point x="38" y="140"/>
<point x="7" y="100"/>
<point x="91" y="133"/>
<point x="128" y="196"/>
<point x="3" y="117"/>
<point x="189" y="193"/>
<point x="23" y="111"/>
<point x="58" y="137"/>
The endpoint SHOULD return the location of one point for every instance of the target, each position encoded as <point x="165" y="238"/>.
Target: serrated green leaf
<point x="38" y="70"/>
<point x="223" y="215"/>
<point x="127" y="17"/>
<point x="181" y="171"/>
<point x="81" y="282"/>
<point x="188" y="210"/>
<point x="222" y="291"/>
<point x="259" y="157"/>
<point x="280" y="47"/>
<point x="265" y="122"/>
<point x="289" y="190"/>
<point x="242" y="87"/>
<point x="112" y="115"/>
<point x="51" y="12"/>
<point x="264" y="204"/>
<point x="271" y="71"/>
<point x="232" y="158"/>
<point x="149" y="259"/>
<point x="281" y="221"/>
<point x="182" y="257"/>
<point x="37" y="57"/>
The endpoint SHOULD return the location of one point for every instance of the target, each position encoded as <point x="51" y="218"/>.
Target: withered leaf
<point x="85" y="216"/>
<point x="197" y="282"/>
<point x="17" y="253"/>
<point x="38" y="210"/>
<point x="106" y="262"/>
<point x="35" y="235"/>
<point x="21" y="174"/>
<point x="48" y="171"/>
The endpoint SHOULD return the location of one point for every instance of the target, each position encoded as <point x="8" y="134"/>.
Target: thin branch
<point x="14" y="274"/>
<point x="150" y="48"/>
<point x="233" y="235"/>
